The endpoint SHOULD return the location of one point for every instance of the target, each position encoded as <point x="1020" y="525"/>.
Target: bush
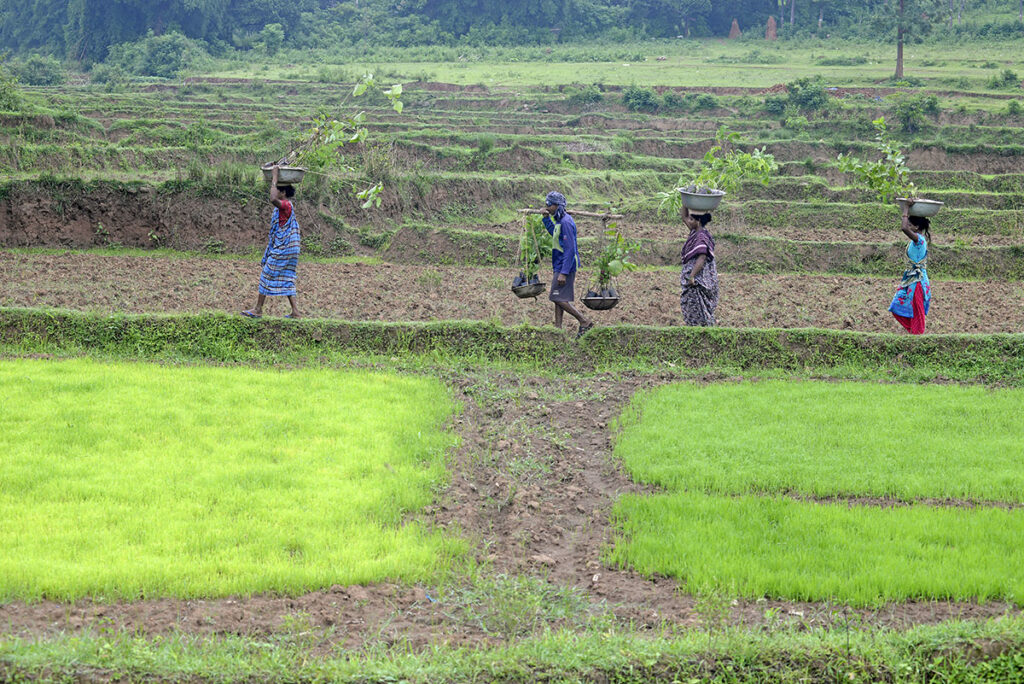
<point x="640" y="99"/>
<point x="160" y="56"/>
<point x="109" y="74"/>
<point x="908" y="82"/>
<point x="585" y="95"/>
<point x="807" y="94"/>
<point x="1013" y="108"/>
<point x="704" y="101"/>
<point x="272" y="37"/>
<point x="804" y="94"/>
<point x="672" y="100"/>
<point x="843" y="61"/>
<point x="10" y="93"/>
<point x="797" y="123"/>
<point x="41" y="70"/>
<point x="911" y="111"/>
<point x="1007" y="79"/>
<point x="776" y="104"/>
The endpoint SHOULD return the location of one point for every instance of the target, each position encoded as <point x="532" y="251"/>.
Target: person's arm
<point x="908" y="229"/>
<point x="698" y="266"/>
<point x="569" y="258"/>
<point x="549" y="224"/>
<point x="275" y="194"/>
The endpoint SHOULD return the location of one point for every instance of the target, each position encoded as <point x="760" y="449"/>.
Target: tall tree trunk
<point x="782" y="12"/>
<point x="792" y="11"/>
<point x="899" y="45"/>
<point x="821" y="17"/>
<point x="960" y="14"/>
<point x="951" y="8"/>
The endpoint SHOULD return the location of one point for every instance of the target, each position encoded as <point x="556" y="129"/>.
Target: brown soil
<point x="396" y="292"/>
<point x="548" y="518"/>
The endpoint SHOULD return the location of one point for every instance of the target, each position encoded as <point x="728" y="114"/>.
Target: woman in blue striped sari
<point x="281" y="258"/>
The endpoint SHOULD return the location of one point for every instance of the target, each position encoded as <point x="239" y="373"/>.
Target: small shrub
<point x="672" y="100"/>
<point x="807" y="94"/>
<point x="10" y="93"/>
<point x="908" y="82"/>
<point x="41" y="70"/>
<point x="585" y="95"/>
<point x="640" y="99"/>
<point x="1005" y="80"/>
<point x="108" y="74"/>
<point x="1013" y="108"/>
<point x="797" y="123"/>
<point x="272" y="38"/>
<point x="776" y="104"/>
<point x="911" y="111"/>
<point x="705" y="101"/>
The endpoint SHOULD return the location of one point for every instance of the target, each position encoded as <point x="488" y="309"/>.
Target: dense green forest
<point x="87" y="29"/>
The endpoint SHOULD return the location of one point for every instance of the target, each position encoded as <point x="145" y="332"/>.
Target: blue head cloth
<point x="557" y="199"/>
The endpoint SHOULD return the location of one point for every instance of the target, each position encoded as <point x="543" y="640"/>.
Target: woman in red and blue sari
<point x="913" y="296"/>
<point x="281" y="257"/>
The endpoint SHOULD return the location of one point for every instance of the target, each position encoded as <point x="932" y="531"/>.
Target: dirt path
<point x="142" y="284"/>
<point x="533" y="484"/>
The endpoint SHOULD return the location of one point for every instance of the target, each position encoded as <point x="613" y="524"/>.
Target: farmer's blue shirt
<point x="564" y="254"/>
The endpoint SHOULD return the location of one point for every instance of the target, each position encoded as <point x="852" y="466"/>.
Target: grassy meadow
<point x="123" y="481"/>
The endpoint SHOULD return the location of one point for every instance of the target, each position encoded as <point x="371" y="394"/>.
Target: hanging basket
<point x="527" y="291"/>
<point x="600" y="303"/>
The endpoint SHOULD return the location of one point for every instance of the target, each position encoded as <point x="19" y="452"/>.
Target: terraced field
<point x="172" y="166"/>
<point x="131" y="225"/>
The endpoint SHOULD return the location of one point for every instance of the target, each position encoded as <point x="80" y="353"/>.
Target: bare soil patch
<point x="394" y="292"/>
<point x="533" y="483"/>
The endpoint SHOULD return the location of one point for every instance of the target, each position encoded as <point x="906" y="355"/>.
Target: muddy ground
<point x="396" y="292"/>
<point x="533" y="484"/>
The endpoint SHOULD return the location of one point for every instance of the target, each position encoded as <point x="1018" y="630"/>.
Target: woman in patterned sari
<point x="700" y="274"/>
<point x="281" y="258"/>
<point x="913" y="296"/>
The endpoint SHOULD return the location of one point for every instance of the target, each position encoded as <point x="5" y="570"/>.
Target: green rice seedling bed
<point x="829" y="439"/>
<point x="122" y="481"/>
<point x="776" y="547"/>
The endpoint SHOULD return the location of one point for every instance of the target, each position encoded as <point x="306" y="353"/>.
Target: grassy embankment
<point x="221" y="338"/>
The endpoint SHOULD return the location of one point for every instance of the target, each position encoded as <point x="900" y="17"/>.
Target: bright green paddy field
<point x="854" y="492"/>
<point x="140" y="480"/>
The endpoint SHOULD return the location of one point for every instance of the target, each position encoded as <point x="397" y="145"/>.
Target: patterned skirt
<point x="698" y="302"/>
<point x="278" y="276"/>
